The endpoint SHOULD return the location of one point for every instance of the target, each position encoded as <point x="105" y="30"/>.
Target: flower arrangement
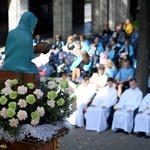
<point x="23" y="104"/>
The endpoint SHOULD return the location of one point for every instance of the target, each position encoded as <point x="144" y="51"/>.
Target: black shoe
<point x="140" y="134"/>
<point x="76" y="127"/>
<point x="146" y="137"/>
<point x="118" y="130"/>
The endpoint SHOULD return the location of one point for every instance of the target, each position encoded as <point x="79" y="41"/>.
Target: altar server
<point x="84" y="92"/>
<point x="129" y="102"/>
<point x="97" y="114"/>
<point x="142" y="119"/>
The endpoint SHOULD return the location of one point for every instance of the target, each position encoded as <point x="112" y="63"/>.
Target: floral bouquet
<point x="23" y="104"/>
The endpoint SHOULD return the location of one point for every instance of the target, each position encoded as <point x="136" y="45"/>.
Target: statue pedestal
<point x="34" y="144"/>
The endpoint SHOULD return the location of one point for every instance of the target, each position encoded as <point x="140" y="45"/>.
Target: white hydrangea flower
<point x="38" y="93"/>
<point x="3" y="112"/>
<point x="13" y="122"/>
<point x="22" y="115"/>
<point x="51" y="84"/>
<point x="22" y="90"/>
<point x="22" y="103"/>
<point x="69" y="90"/>
<point x="6" y="90"/>
<point x="35" y="121"/>
<point x="51" y="103"/>
<point x="8" y="83"/>
<point x="41" y="111"/>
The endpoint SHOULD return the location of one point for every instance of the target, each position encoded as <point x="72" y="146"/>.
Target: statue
<point x="19" y="46"/>
<point x="19" y="52"/>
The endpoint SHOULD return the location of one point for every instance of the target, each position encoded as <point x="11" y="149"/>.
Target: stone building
<point x="60" y="16"/>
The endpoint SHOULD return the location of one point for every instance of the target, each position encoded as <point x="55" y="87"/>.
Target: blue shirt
<point x="110" y="72"/>
<point x="125" y="74"/>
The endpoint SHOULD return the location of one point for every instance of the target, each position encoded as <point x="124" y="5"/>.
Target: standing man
<point x="129" y="101"/>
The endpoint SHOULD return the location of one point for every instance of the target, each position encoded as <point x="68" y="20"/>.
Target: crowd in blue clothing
<point x="79" y="55"/>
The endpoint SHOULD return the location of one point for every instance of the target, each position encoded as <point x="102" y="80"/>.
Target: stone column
<point x="62" y="17"/>
<point x="99" y="15"/>
<point x="119" y="11"/>
<point x="15" y="9"/>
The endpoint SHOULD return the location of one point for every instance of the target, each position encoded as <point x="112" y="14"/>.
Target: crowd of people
<point x="101" y="70"/>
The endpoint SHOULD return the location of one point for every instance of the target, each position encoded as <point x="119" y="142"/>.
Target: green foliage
<point x="136" y="25"/>
<point x="87" y="1"/>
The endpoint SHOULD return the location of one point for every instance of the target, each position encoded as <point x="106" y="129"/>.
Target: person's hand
<point x="129" y="111"/>
<point x="140" y="112"/>
<point x="103" y="106"/>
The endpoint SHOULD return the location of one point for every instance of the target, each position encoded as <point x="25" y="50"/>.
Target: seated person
<point x="99" y="45"/>
<point x="128" y="27"/>
<point x="129" y="101"/>
<point x="92" y="54"/>
<point x="110" y="69"/>
<point x="142" y="119"/>
<point x="97" y="114"/>
<point x="99" y="79"/>
<point x="84" y="92"/>
<point x="19" y="46"/>
<point x="58" y="43"/>
<point x="81" y="65"/>
<point x="123" y="76"/>
<point x="126" y="52"/>
<point x="114" y="51"/>
<point x="106" y="30"/>
<point x="42" y="62"/>
<point x="37" y="39"/>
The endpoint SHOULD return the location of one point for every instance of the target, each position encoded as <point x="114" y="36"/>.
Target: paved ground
<point x="80" y="139"/>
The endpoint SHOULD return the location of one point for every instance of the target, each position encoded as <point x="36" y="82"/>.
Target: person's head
<point x="37" y="37"/>
<point x="127" y="21"/>
<point x="113" y="41"/>
<point x="82" y="37"/>
<point x="126" y="64"/>
<point x="106" y="27"/>
<point x="96" y="39"/>
<point x="109" y="63"/>
<point x="121" y="25"/>
<point x="85" y="80"/>
<point x="93" y="46"/>
<point x="133" y="83"/>
<point x="108" y="47"/>
<point x="110" y="82"/>
<point x="101" y="69"/>
<point x="58" y="37"/>
<point x="66" y="77"/>
<point x="70" y="39"/>
<point x="75" y="37"/>
<point x="78" y="45"/>
<point x="118" y="28"/>
<point x="86" y="57"/>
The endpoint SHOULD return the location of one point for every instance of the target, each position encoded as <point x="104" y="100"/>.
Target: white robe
<point x="130" y="99"/>
<point x="142" y="121"/>
<point x="96" y="117"/>
<point x="83" y="94"/>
